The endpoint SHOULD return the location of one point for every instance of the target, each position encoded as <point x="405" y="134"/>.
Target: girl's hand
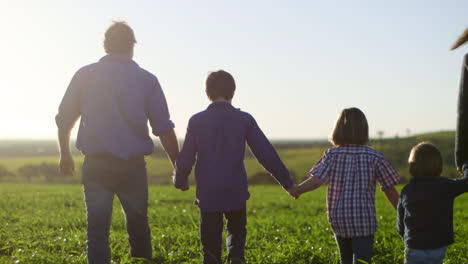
<point x="294" y="191"/>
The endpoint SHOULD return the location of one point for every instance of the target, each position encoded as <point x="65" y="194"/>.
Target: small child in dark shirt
<point x="425" y="208"/>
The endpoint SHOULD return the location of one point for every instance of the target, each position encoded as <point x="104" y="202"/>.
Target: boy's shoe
<point x="236" y="261"/>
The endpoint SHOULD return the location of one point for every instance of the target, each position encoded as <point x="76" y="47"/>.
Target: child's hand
<point x="178" y="185"/>
<point x="184" y="188"/>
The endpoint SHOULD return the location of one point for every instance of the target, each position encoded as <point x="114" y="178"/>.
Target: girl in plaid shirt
<point x="351" y="169"/>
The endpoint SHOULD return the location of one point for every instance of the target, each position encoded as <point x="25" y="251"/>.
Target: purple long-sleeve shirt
<point x="216" y="139"/>
<point x="115" y="99"/>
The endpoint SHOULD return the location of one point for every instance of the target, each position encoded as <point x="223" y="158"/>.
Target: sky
<point x="297" y="64"/>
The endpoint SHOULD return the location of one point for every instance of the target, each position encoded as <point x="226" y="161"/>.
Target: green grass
<point x="46" y="224"/>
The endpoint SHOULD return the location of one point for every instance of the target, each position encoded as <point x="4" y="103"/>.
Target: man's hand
<point x="459" y="169"/>
<point x="66" y="165"/>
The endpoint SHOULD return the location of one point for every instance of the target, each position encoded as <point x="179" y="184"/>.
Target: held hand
<point x="460" y="170"/>
<point x="184" y="188"/>
<point x="293" y="191"/>
<point x="67" y="165"/>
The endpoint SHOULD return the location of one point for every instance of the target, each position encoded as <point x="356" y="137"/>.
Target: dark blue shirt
<point x="115" y="99"/>
<point x="216" y="140"/>
<point x="425" y="211"/>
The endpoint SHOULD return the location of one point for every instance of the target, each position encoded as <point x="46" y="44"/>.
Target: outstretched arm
<point x="170" y="145"/>
<point x="401" y="219"/>
<point x="388" y="177"/>
<point x="392" y="196"/>
<point x="308" y="185"/>
<point x="267" y="156"/>
<point x="186" y="159"/>
<point x="460" y="185"/>
<point x="159" y="119"/>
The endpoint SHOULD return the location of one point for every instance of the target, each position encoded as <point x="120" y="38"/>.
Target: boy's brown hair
<point x="350" y="128"/>
<point x="425" y="160"/>
<point x="220" y="84"/>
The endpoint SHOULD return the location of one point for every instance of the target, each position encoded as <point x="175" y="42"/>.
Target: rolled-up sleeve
<point x="70" y="107"/>
<point x="386" y="174"/>
<point x="157" y="109"/>
<point x="267" y="155"/>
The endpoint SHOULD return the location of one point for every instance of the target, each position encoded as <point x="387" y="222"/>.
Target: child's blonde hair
<point x="425" y="160"/>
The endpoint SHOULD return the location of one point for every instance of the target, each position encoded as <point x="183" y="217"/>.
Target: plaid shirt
<point x="351" y="172"/>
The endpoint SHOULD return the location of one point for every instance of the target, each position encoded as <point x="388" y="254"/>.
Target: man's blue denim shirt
<point x="115" y="99"/>
<point x="216" y="140"/>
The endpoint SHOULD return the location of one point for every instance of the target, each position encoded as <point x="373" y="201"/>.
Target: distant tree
<point x="380" y="134"/>
<point x="49" y="171"/>
<point x="4" y="172"/>
<point x="28" y="171"/>
<point x="408" y="132"/>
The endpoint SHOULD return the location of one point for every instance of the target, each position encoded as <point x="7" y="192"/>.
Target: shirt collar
<point x="115" y="58"/>
<point x="220" y="104"/>
<point x="424" y="179"/>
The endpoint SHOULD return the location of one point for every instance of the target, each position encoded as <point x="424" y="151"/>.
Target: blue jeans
<point x="356" y="249"/>
<point x="421" y="256"/>
<point x="104" y="177"/>
<point x="211" y="232"/>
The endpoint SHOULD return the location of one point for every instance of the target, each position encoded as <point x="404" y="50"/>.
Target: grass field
<point x="299" y="158"/>
<point x="160" y="169"/>
<point x="46" y="224"/>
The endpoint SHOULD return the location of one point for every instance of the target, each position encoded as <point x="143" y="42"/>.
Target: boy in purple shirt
<point x="216" y="140"/>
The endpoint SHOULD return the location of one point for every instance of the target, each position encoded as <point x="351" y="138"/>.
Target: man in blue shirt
<point x="216" y="140"/>
<point x="115" y="99"/>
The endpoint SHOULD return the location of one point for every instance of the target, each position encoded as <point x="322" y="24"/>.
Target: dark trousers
<point x="355" y="250"/>
<point x="104" y="177"/>
<point x="211" y="229"/>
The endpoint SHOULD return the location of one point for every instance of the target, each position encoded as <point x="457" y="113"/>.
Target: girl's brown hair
<point x="350" y="128"/>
